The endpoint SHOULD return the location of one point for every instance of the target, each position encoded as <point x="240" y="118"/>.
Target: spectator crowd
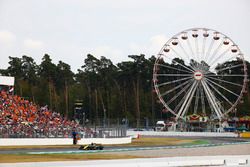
<point x="23" y="118"/>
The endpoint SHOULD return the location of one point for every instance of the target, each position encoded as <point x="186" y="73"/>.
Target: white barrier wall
<point x="193" y="134"/>
<point x="61" y="141"/>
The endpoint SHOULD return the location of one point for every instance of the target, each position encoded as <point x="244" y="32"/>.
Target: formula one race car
<point x="92" y="146"/>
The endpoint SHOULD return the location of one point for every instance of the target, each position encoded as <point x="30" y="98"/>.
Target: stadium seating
<point x="23" y="118"/>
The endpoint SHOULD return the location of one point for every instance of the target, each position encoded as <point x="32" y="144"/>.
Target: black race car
<point x="92" y="146"/>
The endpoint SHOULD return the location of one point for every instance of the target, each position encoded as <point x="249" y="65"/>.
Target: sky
<point x="68" y="30"/>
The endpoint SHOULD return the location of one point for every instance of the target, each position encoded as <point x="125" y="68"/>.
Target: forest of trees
<point x="107" y="90"/>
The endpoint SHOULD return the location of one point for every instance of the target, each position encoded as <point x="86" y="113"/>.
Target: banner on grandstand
<point x="5" y="80"/>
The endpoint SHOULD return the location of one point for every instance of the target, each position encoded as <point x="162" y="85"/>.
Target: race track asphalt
<point x="213" y="141"/>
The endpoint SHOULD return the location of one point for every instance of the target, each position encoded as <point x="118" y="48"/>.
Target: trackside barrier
<point x="61" y="141"/>
<point x="239" y="160"/>
<point x="245" y="134"/>
<point x="194" y="134"/>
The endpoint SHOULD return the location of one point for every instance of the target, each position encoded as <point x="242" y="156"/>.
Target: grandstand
<point x="23" y="118"/>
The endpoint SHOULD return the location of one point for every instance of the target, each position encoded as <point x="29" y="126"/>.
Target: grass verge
<point x="154" y="141"/>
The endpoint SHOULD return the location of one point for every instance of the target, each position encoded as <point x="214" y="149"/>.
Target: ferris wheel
<point x="200" y="71"/>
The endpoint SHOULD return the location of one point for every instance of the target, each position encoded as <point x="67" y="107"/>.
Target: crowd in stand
<point x="22" y="118"/>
